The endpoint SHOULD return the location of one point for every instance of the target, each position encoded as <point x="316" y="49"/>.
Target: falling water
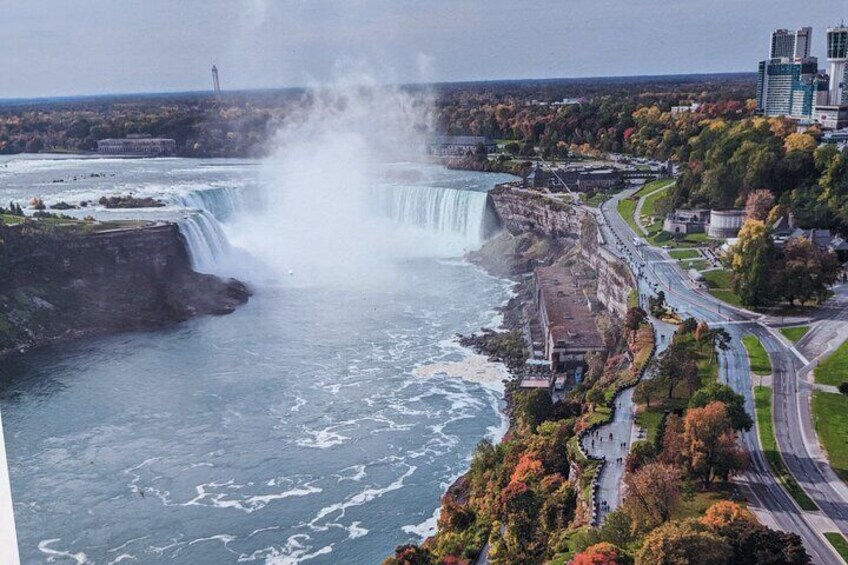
<point x="446" y="211"/>
<point x="223" y="202"/>
<point x="205" y="239"/>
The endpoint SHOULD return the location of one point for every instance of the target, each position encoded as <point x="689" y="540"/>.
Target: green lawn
<point x="10" y="220"/>
<point x="697" y="264"/>
<point x="626" y="209"/>
<point x="649" y="205"/>
<point x="719" y="283"/>
<point x="660" y="237"/>
<point x="597" y="199"/>
<point x="650" y="420"/>
<point x="765" y="428"/>
<point x="839" y="543"/>
<point x="650" y="187"/>
<point x="680" y="254"/>
<point x="834" y="369"/>
<point x="695" y="505"/>
<point x="760" y="364"/>
<point x="830" y="414"/>
<point x="718" y="278"/>
<point x="796" y="333"/>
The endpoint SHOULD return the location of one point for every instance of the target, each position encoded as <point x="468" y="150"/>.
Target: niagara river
<point x="308" y="426"/>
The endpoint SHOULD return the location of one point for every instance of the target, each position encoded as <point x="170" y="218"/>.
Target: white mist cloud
<point x="317" y="222"/>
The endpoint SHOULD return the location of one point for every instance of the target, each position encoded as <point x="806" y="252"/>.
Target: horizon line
<point x="23" y="100"/>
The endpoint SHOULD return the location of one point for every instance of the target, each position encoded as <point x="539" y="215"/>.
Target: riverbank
<point x="62" y="282"/>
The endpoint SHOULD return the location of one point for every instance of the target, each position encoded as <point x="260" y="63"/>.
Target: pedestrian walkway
<point x="612" y="441"/>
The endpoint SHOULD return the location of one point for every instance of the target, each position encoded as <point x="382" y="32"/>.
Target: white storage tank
<point x="725" y="223"/>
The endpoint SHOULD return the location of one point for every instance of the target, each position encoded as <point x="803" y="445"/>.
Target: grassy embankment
<point x="833" y="409"/>
<point x="796" y="333"/>
<point x="834" y="369"/>
<point x="839" y="543"/>
<point x="765" y="427"/>
<point x="760" y="364"/>
<point x="719" y="285"/>
<point x="830" y="414"/>
<point x="652" y="192"/>
<point x="690" y="259"/>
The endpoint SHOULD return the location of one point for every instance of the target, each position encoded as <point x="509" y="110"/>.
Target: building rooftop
<point x="568" y="308"/>
<point x="461" y="140"/>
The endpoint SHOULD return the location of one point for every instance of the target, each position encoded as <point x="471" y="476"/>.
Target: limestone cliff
<point x="522" y="211"/>
<point x="62" y="283"/>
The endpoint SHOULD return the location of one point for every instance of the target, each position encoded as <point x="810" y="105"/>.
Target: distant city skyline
<point x="54" y="48"/>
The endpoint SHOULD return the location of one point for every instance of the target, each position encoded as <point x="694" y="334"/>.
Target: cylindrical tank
<point x="725" y="223"/>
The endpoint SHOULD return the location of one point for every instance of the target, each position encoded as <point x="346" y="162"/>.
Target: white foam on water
<point x="44" y="547"/>
<point x="425" y="529"/>
<point x="296" y="550"/>
<point x="355" y="530"/>
<point x="225" y="538"/>
<point x="122" y="557"/>
<point x="472" y="367"/>
<point x="322" y="439"/>
<point x="357" y="473"/>
<point x="126" y="543"/>
<point x="358" y="499"/>
<point x="247" y="504"/>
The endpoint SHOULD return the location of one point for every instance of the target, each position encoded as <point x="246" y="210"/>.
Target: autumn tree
<point x="752" y="261"/>
<point x="723" y="513"/>
<point x="702" y="331"/>
<point x="558" y="508"/>
<point x="641" y="453"/>
<point x="733" y="402"/>
<point x="677" y="368"/>
<point x="758" y="204"/>
<point x="807" y="271"/>
<point x="653" y="493"/>
<point x="521" y="506"/>
<point x="683" y="542"/>
<point x="673" y="443"/>
<point x="532" y="407"/>
<point x="634" y="319"/>
<point x="710" y="441"/>
<point x="688" y="326"/>
<point x="602" y="554"/>
<point x="751" y="542"/>
<point x="410" y="554"/>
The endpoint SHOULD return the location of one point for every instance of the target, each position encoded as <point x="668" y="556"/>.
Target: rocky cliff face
<point x="520" y="211"/>
<point x="59" y="284"/>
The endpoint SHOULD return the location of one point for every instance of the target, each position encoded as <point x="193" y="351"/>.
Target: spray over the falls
<point x="343" y="197"/>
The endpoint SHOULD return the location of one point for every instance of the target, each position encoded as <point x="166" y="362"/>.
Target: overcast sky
<point x="69" y="47"/>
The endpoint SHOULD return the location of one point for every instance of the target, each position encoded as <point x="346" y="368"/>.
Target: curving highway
<point x="656" y="271"/>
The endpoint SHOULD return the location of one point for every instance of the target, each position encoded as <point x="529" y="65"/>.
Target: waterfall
<point x="205" y="239"/>
<point x="462" y="213"/>
<point x="223" y="202"/>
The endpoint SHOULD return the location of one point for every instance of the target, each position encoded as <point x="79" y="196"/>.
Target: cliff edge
<point x="61" y="283"/>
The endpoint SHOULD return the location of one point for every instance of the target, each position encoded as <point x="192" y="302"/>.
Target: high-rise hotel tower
<point x="788" y="82"/>
<point x="837" y="58"/>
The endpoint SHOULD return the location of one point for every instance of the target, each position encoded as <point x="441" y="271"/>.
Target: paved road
<point x="829" y="329"/>
<point x="656" y="271"/>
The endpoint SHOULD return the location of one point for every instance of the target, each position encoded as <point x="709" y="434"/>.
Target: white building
<point x="792" y="45"/>
<point x="138" y="145"/>
<point x="837" y="58"/>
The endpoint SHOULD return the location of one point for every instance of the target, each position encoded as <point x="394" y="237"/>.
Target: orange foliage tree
<point x="601" y="554"/>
